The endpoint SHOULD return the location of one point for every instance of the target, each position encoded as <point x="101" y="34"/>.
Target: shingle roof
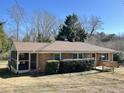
<point x="60" y="46"/>
<point x="29" y="46"/>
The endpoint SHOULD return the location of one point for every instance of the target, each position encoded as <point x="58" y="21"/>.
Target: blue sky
<point x="110" y="11"/>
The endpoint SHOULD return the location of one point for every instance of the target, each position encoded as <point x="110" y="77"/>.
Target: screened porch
<point x="22" y="62"/>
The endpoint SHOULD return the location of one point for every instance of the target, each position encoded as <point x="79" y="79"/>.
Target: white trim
<point x="60" y="56"/>
<point x="65" y="52"/>
<point x="17" y="62"/>
<point x="13" y="69"/>
<point x="77" y="55"/>
<point x="23" y="71"/>
<point x="75" y="52"/>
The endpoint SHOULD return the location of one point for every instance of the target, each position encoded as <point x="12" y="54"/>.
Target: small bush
<point x="52" y="67"/>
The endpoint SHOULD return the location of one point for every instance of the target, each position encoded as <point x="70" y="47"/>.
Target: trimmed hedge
<point x="68" y="66"/>
<point x="75" y="66"/>
<point x="52" y="67"/>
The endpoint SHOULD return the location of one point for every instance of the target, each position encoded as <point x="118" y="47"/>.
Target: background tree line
<point x="43" y="26"/>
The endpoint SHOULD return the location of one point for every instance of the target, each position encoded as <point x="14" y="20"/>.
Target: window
<point x="93" y="55"/>
<point x="86" y="55"/>
<point x="83" y="55"/>
<point x="80" y="55"/>
<point x="57" y="57"/>
<point x="74" y="56"/>
<point x="104" y="56"/>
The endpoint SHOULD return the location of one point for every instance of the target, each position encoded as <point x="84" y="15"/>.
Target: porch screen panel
<point x="13" y="59"/>
<point x="23" y="61"/>
<point x="24" y="56"/>
<point x="23" y="65"/>
<point x="14" y="54"/>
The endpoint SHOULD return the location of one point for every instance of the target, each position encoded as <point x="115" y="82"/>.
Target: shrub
<point x="68" y="66"/>
<point x="118" y="57"/>
<point x="75" y="65"/>
<point x="52" y="67"/>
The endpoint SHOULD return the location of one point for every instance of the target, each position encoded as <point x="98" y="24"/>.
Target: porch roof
<point x="60" y="46"/>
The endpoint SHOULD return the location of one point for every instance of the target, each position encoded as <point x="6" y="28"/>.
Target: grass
<point x="104" y="82"/>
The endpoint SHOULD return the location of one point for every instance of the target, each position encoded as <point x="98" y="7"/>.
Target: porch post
<point x="60" y="56"/>
<point x="112" y="57"/>
<point x="77" y="55"/>
<point x="17" y="64"/>
<point x="109" y="57"/>
<point x="95" y="60"/>
<point x="29" y="62"/>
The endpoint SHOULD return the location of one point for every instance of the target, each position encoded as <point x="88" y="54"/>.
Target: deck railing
<point x="110" y="63"/>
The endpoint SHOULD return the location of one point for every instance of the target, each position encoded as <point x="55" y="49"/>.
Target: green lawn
<point x="104" y="82"/>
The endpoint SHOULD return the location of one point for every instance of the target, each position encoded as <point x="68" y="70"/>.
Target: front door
<point x="33" y="60"/>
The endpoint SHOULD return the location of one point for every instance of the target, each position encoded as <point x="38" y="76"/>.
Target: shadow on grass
<point x="6" y="73"/>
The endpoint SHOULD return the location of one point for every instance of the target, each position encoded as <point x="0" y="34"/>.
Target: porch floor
<point x="103" y="69"/>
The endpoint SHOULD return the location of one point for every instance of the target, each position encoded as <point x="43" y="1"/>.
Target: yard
<point x="103" y="82"/>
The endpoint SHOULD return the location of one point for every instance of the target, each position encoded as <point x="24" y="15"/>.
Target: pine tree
<point x="71" y="30"/>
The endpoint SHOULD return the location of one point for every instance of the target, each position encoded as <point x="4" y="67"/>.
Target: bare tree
<point x="91" y="24"/>
<point x="16" y="13"/>
<point x="30" y="35"/>
<point x="44" y="25"/>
